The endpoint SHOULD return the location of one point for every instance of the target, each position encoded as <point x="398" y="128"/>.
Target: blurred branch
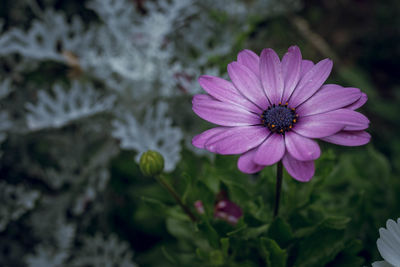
<point x="303" y="27"/>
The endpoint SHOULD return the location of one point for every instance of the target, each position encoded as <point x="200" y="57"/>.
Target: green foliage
<point x="333" y="220"/>
<point x="321" y="223"/>
<point x="274" y="255"/>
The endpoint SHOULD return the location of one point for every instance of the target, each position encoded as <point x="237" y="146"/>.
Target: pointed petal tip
<point x="246" y="164"/>
<point x="302" y="171"/>
<point x="294" y="48"/>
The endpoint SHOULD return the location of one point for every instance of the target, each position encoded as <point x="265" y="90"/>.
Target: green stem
<point x="278" y="188"/>
<point x="176" y="197"/>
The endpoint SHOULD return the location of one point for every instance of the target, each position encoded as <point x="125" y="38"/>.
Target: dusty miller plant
<point x="74" y="92"/>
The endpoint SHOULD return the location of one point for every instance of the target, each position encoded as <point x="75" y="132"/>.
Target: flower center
<point x="279" y="118"/>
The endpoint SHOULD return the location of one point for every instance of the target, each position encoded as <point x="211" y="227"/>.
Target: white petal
<point x="389" y="242"/>
<point x="381" y="264"/>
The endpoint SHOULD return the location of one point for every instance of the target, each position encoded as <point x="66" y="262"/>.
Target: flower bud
<point x="228" y="211"/>
<point x="151" y="163"/>
<point x="199" y="207"/>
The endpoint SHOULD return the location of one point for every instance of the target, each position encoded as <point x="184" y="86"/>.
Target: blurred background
<point x="87" y="86"/>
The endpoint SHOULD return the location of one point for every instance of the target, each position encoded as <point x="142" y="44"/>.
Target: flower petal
<point x="200" y="140"/>
<point x="271" y="75"/>
<point x="329" y="123"/>
<point x="311" y="82"/>
<point x="248" y="84"/>
<point x="328" y="98"/>
<point x="222" y="113"/>
<point x="237" y="140"/>
<point x="359" y="103"/>
<point x="381" y="264"/>
<point x="271" y="151"/>
<point x="317" y="126"/>
<point x="302" y="171"/>
<point x="249" y="59"/>
<point x="394" y="229"/>
<point x="246" y="163"/>
<point x="301" y="148"/>
<point x="226" y="92"/>
<point x="291" y="67"/>
<point x="389" y="246"/>
<point x="354" y="121"/>
<point x="306" y="66"/>
<point x="349" y="138"/>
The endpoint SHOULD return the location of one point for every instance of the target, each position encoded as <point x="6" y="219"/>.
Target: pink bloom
<point x="199" y="207"/>
<point x="227" y="211"/>
<point x="272" y="110"/>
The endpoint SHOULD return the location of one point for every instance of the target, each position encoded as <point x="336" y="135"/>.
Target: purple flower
<point x="228" y="211"/>
<point x="272" y="110"/>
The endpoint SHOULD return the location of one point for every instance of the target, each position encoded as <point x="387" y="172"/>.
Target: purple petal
<point x="354" y="120"/>
<point x="226" y="92"/>
<point x="222" y="113"/>
<point x="291" y="67"/>
<point x="317" y="126"/>
<point x="359" y="103"/>
<point x="302" y="171"/>
<point x="271" y="151"/>
<point x="306" y="66"/>
<point x="271" y="75"/>
<point x="348" y="138"/>
<point x="200" y="140"/>
<point x="246" y="163"/>
<point x="328" y="98"/>
<point x="249" y="59"/>
<point x="301" y="148"/>
<point x="311" y="82"/>
<point x="248" y="84"/>
<point x="237" y="140"/>
<point x="326" y="124"/>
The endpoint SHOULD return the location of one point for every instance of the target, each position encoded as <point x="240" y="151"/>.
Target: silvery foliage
<point x="155" y="133"/>
<point x="5" y="122"/>
<point x="123" y="63"/>
<point x="96" y="183"/>
<point x="57" y="252"/>
<point x="100" y="251"/>
<point x="15" y="201"/>
<point x="47" y="38"/>
<point x="5" y="88"/>
<point x="66" y="106"/>
<point x="134" y="54"/>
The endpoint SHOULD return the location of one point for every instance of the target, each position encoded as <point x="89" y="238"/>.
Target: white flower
<point x="389" y="245"/>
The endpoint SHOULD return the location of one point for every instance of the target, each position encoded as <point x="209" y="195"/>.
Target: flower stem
<point x="185" y="208"/>
<point x="278" y="188"/>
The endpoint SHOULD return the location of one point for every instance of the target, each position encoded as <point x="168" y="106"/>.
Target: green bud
<point x="151" y="163"/>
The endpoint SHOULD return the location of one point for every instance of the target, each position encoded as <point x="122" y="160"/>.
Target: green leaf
<point x="201" y="254"/>
<point x="167" y="255"/>
<point x="216" y="258"/>
<point x="238" y="230"/>
<point x="273" y="254"/>
<point x="254" y="232"/>
<point x="189" y="185"/>
<point x="225" y="246"/>
<point x="180" y="229"/>
<point x="280" y="231"/>
<point x="210" y="233"/>
<point x="320" y="244"/>
<point x="348" y="257"/>
<point x="154" y="203"/>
